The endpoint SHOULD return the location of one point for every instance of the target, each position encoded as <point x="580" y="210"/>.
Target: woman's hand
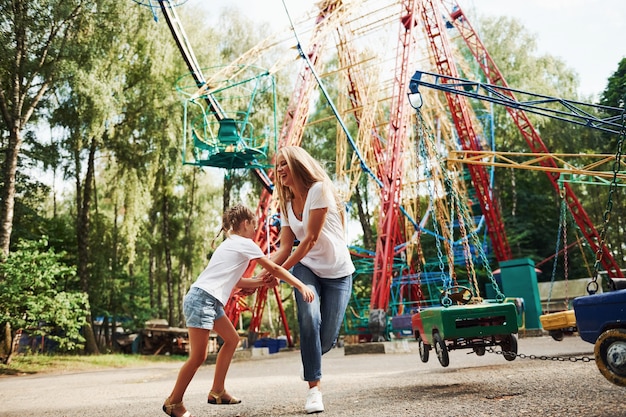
<point x="307" y="294"/>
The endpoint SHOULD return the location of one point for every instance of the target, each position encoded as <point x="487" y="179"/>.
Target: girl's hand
<point x="269" y="279"/>
<point x="307" y="294"/>
<point x="246" y="291"/>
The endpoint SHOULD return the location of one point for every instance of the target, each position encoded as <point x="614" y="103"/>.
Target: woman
<point x="313" y="214"/>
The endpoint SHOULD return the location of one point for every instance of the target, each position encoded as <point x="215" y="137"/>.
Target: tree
<point x="614" y="95"/>
<point x="615" y="92"/>
<point x="34" y="299"/>
<point x="31" y="54"/>
<point x="528" y="207"/>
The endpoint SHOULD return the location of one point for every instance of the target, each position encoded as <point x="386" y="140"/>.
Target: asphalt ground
<point x="548" y="380"/>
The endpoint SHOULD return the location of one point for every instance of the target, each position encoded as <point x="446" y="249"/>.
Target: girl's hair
<point x="307" y="171"/>
<point x="233" y="218"/>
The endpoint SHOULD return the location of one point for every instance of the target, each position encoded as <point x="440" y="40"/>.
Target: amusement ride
<point x="416" y="137"/>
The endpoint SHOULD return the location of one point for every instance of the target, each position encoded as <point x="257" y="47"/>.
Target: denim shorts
<point x="201" y="309"/>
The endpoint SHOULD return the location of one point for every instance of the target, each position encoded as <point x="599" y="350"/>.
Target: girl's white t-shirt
<point x="227" y="265"/>
<point x="329" y="257"/>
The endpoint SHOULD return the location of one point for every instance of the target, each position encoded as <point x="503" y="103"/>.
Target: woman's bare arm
<point x="317" y="217"/>
<point x="287" y="239"/>
<point x="279" y="272"/>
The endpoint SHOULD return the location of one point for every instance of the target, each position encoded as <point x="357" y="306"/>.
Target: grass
<point x="36" y="364"/>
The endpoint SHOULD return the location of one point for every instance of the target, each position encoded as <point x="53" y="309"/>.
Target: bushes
<point x="36" y="295"/>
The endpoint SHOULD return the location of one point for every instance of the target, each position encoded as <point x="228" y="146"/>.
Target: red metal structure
<point x="390" y="234"/>
<point x="530" y="134"/>
<point x="290" y="134"/>
<point x="460" y="109"/>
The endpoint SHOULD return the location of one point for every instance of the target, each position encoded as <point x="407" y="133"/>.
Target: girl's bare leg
<point x="224" y="328"/>
<point x="198" y="342"/>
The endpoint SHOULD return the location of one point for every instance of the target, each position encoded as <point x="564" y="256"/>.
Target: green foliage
<point x="320" y="139"/>
<point x="30" y="210"/>
<point x="32" y="282"/>
<point x="615" y="91"/>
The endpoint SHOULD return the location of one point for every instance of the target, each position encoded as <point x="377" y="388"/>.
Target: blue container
<point x="599" y="312"/>
<point x="274" y="345"/>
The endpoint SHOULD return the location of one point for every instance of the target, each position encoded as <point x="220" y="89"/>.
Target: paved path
<point x="381" y="385"/>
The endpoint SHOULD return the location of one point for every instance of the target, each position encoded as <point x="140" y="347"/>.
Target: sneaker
<point x="314" y="402"/>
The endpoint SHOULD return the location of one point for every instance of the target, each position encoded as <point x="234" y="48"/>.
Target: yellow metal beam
<point x="601" y="165"/>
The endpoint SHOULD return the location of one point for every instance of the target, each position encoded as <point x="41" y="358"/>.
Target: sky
<point x="586" y="34"/>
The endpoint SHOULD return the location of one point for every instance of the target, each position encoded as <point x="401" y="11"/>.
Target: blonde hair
<point x="233" y="218"/>
<point x="306" y="171"/>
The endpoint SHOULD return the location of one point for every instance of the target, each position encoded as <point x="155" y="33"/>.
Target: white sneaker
<point x="314" y="402"/>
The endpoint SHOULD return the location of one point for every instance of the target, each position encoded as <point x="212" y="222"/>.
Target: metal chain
<point x="593" y="285"/>
<point x="423" y="147"/>
<point x="542" y="357"/>
<point x="464" y="209"/>
<point x="562" y="222"/>
<point x="565" y="263"/>
<point x="463" y="214"/>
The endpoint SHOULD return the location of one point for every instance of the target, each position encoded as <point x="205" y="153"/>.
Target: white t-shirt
<point x="329" y="257"/>
<point x="227" y="265"/>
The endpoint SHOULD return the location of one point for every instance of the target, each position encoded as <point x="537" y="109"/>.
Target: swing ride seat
<point x="466" y="321"/>
<point x="559" y="323"/>
<point x="599" y="312"/>
<point x="473" y="326"/>
<point x="229" y="150"/>
<point x="601" y="320"/>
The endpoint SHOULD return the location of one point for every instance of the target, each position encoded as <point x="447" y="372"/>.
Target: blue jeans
<point x="321" y="319"/>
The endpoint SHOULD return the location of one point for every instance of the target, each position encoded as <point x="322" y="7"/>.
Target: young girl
<point x="203" y="305"/>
